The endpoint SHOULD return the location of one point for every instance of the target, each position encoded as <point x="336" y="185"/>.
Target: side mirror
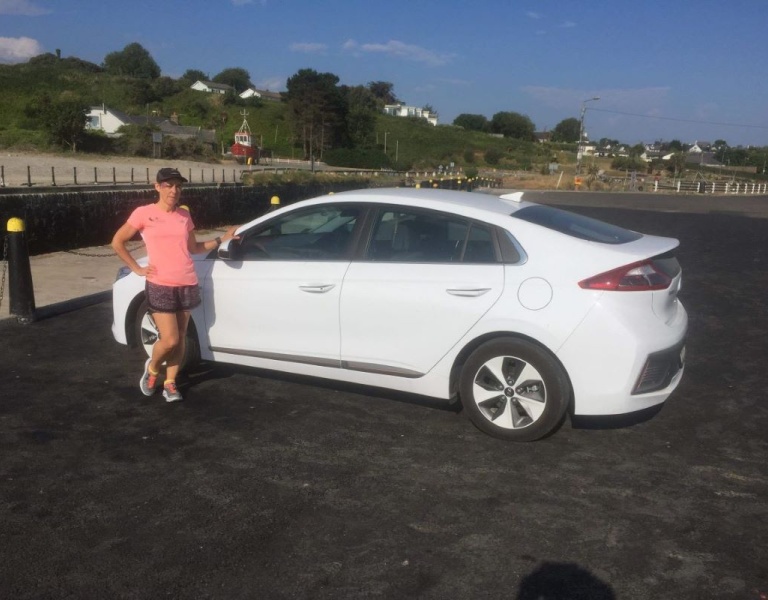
<point x="229" y="250"/>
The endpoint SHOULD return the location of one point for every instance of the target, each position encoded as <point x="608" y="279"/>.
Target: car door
<point x="424" y="280"/>
<point x="278" y="295"/>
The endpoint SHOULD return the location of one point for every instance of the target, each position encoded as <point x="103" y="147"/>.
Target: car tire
<point x="145" y="335"/>
<point x="513" y="389"/>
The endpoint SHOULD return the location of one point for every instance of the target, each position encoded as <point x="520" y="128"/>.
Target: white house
<point x="261" y="94"/>
<point x="699" y="147"/>
<point x="401" y="110"/>
<point x="109" y="120"/>
<point x="211" y="87"/>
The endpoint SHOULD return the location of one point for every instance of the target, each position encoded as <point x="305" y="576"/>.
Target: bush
<point x="363" y="158"/>
<point x="23" y="139"/>
<point x="628" y="163"/>
<point x="492" y="156"/>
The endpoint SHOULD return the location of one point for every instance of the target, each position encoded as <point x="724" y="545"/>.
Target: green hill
<point x="408" y="142"/>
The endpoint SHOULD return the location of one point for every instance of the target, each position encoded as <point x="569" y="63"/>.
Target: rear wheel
<point x="514" y="390"/>
<point x="146" y="334"/>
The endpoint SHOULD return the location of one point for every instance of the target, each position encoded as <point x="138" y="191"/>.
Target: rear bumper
<point x="623" y="365"/>
<point x="660" y="369"/>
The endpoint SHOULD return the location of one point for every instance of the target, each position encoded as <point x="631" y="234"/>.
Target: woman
<point x="171" y="287"/>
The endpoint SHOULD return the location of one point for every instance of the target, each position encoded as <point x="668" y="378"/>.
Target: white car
<point x="523" y="311"/>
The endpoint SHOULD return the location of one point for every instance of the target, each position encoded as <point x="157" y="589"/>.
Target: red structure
<point x="243" y="150"/>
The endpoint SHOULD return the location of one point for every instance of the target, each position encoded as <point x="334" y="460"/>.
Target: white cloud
<point x="25" y="8"/>
<point x="308" y="47"/>
<point x="533" y="15"/>
<point x="568" y="25"/>
<point x="17" y="50"/>
<point x="397" y="49"/>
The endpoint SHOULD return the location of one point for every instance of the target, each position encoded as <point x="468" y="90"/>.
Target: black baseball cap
<point x="167" y="173"/>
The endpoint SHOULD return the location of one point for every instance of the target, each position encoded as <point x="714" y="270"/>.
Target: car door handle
<point x="317" y="288"/>
<point x="471" y="292"/>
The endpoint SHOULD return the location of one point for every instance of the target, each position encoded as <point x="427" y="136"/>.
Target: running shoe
<point x="171" y="392"/>
<point x="148" y="381"/>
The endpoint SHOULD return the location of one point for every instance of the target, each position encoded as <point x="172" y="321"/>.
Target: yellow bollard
<point x="274" y="203"/>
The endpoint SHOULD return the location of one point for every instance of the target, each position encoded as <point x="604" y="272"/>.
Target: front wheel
<point x="514" y="390"/>
<point x="146" y="334"/>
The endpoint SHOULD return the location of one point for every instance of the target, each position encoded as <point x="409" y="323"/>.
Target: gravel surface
<point x="265" y="486"/>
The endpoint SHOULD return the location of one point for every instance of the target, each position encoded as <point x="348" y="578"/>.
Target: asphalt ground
<point x="266" y="486"/>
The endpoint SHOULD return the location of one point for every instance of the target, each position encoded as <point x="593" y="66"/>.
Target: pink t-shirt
<point x="166" y="235"/>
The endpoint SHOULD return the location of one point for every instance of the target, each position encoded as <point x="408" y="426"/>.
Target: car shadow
<point x="209" y="371"/>
<point x="615" y="421"/>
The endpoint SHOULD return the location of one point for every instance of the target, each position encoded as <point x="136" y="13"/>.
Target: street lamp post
<point x="580" y="150"/>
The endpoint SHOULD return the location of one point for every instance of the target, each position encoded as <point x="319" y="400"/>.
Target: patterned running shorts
<point x="171" y="299"/>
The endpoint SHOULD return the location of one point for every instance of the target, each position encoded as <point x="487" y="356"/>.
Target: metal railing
<point x="44" y="176"/>
<point x="713" y="187"/>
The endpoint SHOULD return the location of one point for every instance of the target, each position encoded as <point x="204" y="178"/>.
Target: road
<point x="264" y="486"/>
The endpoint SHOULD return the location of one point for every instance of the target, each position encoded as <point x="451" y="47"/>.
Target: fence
<point x="714" y="187"/>
<point x="19" y="175"/>
<point x="40" y="176"/>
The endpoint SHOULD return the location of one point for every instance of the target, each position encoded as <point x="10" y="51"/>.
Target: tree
<point x="132" y="61"/>
<point x="675" y="146"/>
<point x="513" y="125"/>
<point x="471" y="122"/>
<point x="63" y="119"/>
<point x="238" y="78"/>
<point x="162" y="87"/>
<point x="317" y="109"/>
<point x="383" y="91"/>
<point x="430" y="109"/>
<point x="193" y="75"/>
<point x="676" y="163"/>
<point x="567" y="130"/>
<point x="362" y="110"/>
<point x="605" y="142"/>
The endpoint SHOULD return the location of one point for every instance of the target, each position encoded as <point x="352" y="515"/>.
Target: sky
<point x="688" y="70"/>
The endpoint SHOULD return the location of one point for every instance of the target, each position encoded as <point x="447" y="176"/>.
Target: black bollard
<point x="20" y="290"/>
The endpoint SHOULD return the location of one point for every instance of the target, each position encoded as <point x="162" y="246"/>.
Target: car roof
<point x="438" y="199"/>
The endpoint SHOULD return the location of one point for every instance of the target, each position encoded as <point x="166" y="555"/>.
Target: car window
<point x="577" y="226"/>
<point x="411" y="236"/>
<point x="316" y="233"/>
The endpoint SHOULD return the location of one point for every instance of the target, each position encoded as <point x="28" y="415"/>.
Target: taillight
<point x="637" y="277"/>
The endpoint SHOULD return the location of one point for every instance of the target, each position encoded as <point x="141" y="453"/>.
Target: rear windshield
<point x="577" y="226"/>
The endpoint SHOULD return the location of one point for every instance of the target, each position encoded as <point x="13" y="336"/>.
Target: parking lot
<point x="263" y="486"/>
